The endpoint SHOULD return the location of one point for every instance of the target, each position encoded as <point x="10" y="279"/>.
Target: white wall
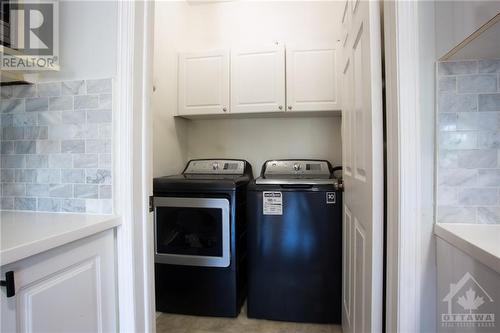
<point x="485" y="46"/>
<point x="234" y="22"/>
<point x="191" y="26"/>
<point x="87" y="40"/>
<point x="169" y="133"/>
<point x="456" y="20"/>
<point x="258" y="140"/>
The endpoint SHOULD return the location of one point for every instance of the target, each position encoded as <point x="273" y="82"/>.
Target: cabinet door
<point x="312" y="78"/>
<point x="258" y="79"/>
<point x="68" y="289"/>
<point x="204" y="82"/>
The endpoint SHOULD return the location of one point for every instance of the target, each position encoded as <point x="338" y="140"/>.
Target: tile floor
<point x="172" y="323"/>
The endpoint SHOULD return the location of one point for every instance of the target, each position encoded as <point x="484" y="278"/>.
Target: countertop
<point x="480" y="241"/>
<point x="23" y="234"/>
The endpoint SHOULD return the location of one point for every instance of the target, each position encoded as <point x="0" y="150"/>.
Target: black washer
<point x="295" y="243"/>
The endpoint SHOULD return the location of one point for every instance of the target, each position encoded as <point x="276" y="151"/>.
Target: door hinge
<point x="151" y="204"/>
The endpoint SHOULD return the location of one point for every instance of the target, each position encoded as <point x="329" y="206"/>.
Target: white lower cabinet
<point x="67" y="289"/>
<point x="467" y="290"/>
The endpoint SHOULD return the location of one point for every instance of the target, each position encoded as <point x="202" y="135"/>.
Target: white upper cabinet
<point x="258" y="79"/>
<point x="312" y="78"/>
<point x="204" y="82"/>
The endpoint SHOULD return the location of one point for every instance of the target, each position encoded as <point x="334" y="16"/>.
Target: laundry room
<point x="257" y="134"/>
<point x="237" y="84"/>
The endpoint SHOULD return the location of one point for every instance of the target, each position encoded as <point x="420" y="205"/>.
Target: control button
<point x="215" y="166"/>
<point x="296" y="166"/>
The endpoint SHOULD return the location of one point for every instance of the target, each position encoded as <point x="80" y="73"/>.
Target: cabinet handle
<point x="280" y="107"/>
<point x="8" y="283"/>
<point x="224" y="109"/>
<point x="289" y="107"/>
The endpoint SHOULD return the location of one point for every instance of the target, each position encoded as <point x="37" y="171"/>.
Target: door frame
<point x="404" y="192"/>
<point x="133" y="156"/>
<point x="133" y="166"/>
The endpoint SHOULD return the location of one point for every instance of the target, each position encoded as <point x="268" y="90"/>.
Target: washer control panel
<point x="297" y="168"/>
<point x="222" y="167"/>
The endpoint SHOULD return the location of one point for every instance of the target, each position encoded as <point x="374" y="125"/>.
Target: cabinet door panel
<point x="258" y="80"/>
<point x="67" y="289"/>
<point x="311" y="76"/>
<point x="74" y="300"/>
<point x="203" y="82"/>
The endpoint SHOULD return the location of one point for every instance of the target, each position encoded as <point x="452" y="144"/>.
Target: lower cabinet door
<point x="67" y="289"/>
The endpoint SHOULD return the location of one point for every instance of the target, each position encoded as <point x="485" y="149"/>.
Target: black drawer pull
<point x="8" y="283"/>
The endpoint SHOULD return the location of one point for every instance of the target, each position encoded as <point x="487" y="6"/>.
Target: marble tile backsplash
<point x="56" y="147"/>
<point x="469" y="141"/>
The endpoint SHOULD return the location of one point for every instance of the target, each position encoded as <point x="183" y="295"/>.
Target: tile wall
<point x="469" y="141"/>
<point x="56" y="145"/>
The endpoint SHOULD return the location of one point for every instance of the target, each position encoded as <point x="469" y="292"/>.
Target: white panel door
<point x="203" y="82"/>
<point x="258" y="79"/>
<point x="345" y="26"/>
<point x="362" y="144"/>
<point x="312" y="78"/>
<point x="68" y="289"/>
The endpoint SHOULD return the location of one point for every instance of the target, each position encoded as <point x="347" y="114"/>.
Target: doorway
<point x="182" y="127"/>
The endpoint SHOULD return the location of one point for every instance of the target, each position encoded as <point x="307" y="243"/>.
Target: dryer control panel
<point x="219" y="167"/>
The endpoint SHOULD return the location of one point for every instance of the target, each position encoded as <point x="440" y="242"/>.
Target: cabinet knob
<point x="8" y="283"/>
<point x="289" y="107"/>
<point x="280" y="107"/>
<point x="224" y="109"/>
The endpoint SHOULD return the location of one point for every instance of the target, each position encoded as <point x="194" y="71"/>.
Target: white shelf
<point x="284" y="114"/>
